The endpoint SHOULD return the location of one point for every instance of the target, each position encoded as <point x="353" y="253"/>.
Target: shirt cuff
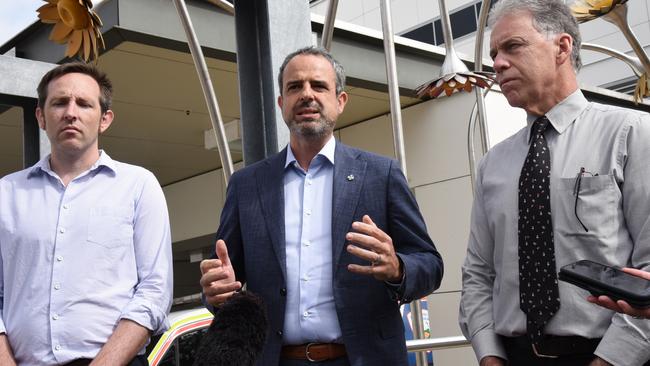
<point x="147" y="315"/>
<point x="622" y="344"/>
<point x="487" y="343"/>
<point x="2" y="326"/>
<point x="397" y="288"/>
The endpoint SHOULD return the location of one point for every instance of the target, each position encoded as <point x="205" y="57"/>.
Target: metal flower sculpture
<point x="74" y="23"/>
<point x="586" y="10"/>
<point x="454" y="75"/>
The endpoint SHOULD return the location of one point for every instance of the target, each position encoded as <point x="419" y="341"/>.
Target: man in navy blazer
<point x="329" y="236"/>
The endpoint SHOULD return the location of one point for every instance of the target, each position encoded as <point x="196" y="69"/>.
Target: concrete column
<point x="266" y="31"/>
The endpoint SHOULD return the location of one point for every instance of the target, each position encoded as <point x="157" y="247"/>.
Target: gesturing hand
<point x="218" y="276"/>
<point x="375" y="246"/>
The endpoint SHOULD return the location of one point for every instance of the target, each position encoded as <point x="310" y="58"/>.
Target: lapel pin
<point x="350" y="178"/>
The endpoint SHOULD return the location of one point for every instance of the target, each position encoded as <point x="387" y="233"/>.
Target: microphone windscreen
<point x="237" y="333"/>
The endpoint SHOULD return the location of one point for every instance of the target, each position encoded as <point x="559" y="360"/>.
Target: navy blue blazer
<point x="252" y="225"/>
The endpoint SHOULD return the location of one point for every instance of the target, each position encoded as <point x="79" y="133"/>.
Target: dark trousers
<point x="140" y="360"/>
<point x="520" y="355"/>
<point x="341" y="361"/>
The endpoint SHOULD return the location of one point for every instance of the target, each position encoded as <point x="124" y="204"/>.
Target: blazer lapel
<point x="349" y="174"/>
<point x="270" y="188"/>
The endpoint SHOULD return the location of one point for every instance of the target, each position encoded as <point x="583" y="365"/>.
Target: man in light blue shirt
<point x="85" y="246"/>
<point x="329" y="236"/>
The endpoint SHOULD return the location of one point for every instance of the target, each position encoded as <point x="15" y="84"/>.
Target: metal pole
<point x="393" y="86"/>
<point x="328" y="26"/>
<point x="618" y="17"/>
<point x="208" y="90"/>
<point x="480" y="98"/>
<point x="398" y="142"/>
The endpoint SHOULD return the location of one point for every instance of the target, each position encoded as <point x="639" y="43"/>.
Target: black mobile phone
<point x="600" y="279"/>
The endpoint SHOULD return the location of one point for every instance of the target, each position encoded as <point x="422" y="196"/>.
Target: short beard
<point x="323" y="128"/>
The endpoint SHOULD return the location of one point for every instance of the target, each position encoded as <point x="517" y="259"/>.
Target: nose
<point x="307" y="93"/>
<point x="70" y="112"/>
<point x="500" y="63"/>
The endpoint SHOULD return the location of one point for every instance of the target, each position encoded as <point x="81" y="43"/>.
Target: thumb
<point x="222" y="252"/>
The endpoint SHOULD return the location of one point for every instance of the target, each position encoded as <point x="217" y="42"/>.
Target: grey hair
<point x="316" y="51"/>
<point x="549" y="17"/>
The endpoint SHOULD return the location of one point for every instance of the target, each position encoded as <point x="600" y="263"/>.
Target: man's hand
<point x="622" y="306"/>
<point x="218" y="277"/>
<point x="375" y="246"/>
<point x="599" y="362"/>
<point x="6" y="354"/>
<point x="492" y="361"/>
<point x="127" y="340"/>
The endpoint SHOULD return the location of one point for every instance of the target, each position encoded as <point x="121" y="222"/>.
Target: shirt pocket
<point x="596" y="207"/>
<point x="111" y="227"/>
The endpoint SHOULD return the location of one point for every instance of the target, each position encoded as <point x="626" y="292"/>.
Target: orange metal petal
<point x="48" y="12"/>
<point x="74" y="43"/>
<point x="86" y="43"/>
<point x="60" y="32"/>
<point x="93" y="39"/>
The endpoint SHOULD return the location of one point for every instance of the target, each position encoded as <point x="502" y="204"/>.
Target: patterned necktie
<point x="538" y="292"/>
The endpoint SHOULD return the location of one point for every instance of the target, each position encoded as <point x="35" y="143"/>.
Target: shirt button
<point x="59" y="258"/>
<point x="62" y="230"/>
<point x="57" y="286"/>
<point x="57" y="347"/>
<point x="308" y="212"/>
<point x="305" y="314"/>
<point x="309" y="182"/>
<point x="307" y="243"/>
<point x="305" y="278"/>
<point x="55" y="317"/>
<point x="65" y="207"/>
<point x="283" y="292"/>
<point x="279" y="333"/>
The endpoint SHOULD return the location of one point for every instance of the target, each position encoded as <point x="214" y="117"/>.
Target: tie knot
<point x="540" y="125"/>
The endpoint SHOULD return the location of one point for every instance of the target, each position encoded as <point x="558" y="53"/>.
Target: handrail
<point x="433" y="344"/>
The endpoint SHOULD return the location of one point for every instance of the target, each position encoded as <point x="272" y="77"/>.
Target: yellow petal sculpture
<point x="642" y="89"/>
<point x="586" y="10"/>
<point x="75" y="24"/>
<point x="455" y="82"/>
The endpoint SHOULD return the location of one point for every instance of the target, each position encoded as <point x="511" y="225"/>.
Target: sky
<point x="16" y="15"/>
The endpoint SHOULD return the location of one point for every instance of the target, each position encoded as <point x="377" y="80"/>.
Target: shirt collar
<point x="563" y="114"/>
<point x="327" y="152"/>
<point x="43" y="165"/>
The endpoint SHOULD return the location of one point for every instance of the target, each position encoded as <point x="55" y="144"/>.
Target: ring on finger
<point x="377" y="259"/>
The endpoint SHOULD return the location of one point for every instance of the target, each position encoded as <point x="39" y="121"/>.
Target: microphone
<point x="237" y="333"/>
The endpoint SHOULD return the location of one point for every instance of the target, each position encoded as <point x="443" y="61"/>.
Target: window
<point x="463" y="22"/>
<point x="422" y="34"/>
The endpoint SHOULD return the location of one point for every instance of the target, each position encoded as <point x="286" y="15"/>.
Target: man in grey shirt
<point x="590" y="200"/>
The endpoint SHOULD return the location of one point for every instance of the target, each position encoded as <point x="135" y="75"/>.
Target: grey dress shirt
<point x="613" y="146"/>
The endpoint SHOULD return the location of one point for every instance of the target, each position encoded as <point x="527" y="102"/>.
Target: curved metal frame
<point x="480" y="97"/>
<point x="208" y="90"/>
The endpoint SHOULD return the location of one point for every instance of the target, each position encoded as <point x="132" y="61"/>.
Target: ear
<point x="280" y="101"/>
<point x="342" y="101"/>
<point x="565" y="45"/>
<point x="105" y="121"/>
<point x="40" y="118"/>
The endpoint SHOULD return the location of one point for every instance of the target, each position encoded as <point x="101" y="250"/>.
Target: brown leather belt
<point x="314" y="352"/>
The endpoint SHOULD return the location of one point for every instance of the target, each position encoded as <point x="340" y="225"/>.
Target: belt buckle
<point x="541" y="355"/>
<point x="307" y="353"/>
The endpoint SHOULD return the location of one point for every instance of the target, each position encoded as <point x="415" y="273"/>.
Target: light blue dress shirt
<point x="75" y="260"/>
<point x="310" y="314"/>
